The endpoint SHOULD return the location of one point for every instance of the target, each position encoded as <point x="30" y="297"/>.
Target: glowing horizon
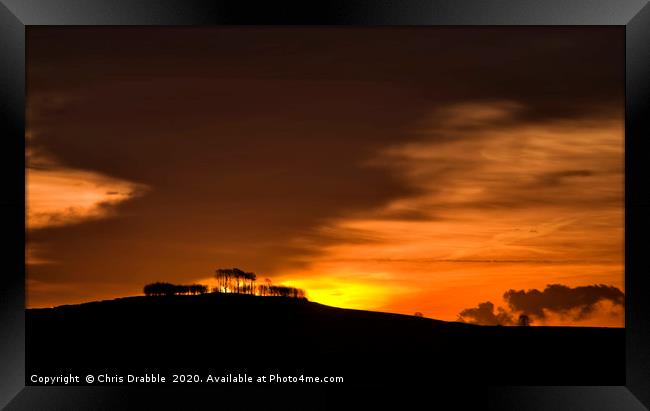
<point x="414" y="201"/>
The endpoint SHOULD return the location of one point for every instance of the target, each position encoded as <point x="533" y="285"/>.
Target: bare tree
<point x="234" y="280"/>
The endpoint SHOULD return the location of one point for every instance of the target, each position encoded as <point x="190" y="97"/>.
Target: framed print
<point x="274" y="204"/>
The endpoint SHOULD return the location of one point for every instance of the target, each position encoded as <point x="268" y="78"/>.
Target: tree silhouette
<point x="229" y="280"/>
<point x="234" y="280"/>
<point x="195" y="289"/>
<point x="160" y="288"/>
<point x="223" y="276"/>
<point x="285" y="291"/>
<point x="264" y="289"/>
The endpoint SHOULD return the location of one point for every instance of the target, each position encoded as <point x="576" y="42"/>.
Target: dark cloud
<point x="484" y="314"/>
<point x="558" y="298"/>
<point x="578" y="303"/>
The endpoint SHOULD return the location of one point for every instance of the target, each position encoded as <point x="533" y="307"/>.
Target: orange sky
<point x="443" y="202"/>
<point x="527" y="206"/>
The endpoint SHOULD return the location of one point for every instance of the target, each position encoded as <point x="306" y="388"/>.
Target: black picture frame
<point x="17" y="15"/>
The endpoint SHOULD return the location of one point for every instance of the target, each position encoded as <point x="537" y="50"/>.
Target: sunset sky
<point x="392" y="169"/>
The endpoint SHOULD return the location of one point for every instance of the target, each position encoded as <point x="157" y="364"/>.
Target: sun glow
<point x="343" y="292"/>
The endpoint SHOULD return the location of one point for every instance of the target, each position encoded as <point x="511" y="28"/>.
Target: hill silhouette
<point x="229" y="333"/>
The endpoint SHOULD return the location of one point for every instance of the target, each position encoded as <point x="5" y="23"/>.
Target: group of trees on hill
<point x="174" y="289"/>
<point x="280" y="291"/>
<point x="229" y="280"/>
<point x="234" y="280"/>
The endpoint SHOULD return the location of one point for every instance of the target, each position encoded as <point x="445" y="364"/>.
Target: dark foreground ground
<point x="229" y="334"/>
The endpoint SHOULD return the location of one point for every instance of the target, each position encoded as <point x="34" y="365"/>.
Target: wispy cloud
<point x="495" y="189"/>
<point x="57" y="195"/>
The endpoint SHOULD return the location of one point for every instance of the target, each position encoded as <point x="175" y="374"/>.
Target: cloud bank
<point x="578" y="304"/>
<point x="558" y="298"/>
<point x="484" y="314"/>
